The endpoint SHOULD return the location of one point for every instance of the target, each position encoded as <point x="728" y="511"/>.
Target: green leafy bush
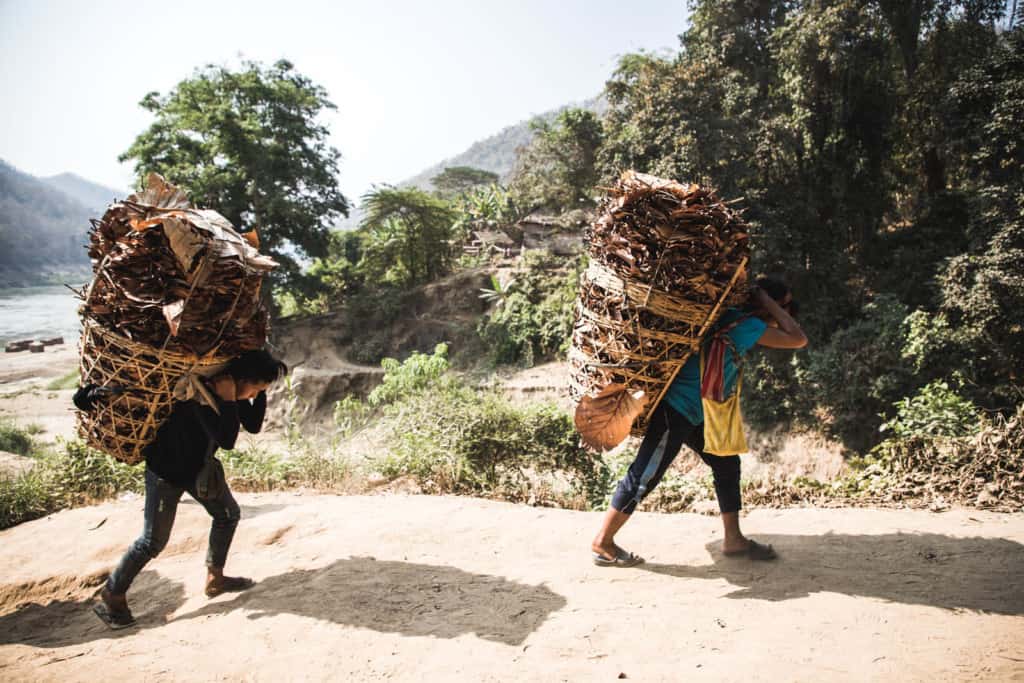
<point x="935" y="410"/>
<point x="416" y="373"/>
<point x="465" y="441"/>
<point x="71" y="475"/>
<point x="532" y="316"/>
<point x="860" y="373"/>
<point x="78" y="474"/>
<point x="15" y="439"/>
<point x="23" y="497"/>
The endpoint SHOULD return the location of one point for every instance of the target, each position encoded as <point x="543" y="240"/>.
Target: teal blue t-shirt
<point x="684" y="394"/>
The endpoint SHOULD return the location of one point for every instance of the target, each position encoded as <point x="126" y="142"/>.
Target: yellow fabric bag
<point x="723" y="424"/>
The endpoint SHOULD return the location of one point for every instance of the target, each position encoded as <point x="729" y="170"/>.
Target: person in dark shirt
<point x="181" y="460"/>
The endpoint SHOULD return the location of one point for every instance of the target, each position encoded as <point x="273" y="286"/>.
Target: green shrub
<point x="460" y="440"/>
<point x="860" y="373"/>
<point x="532" y="316"/>
<point x="416" y="373"/>
<point x="71" y="475"/>
<point x="80" y="475"/>
<point x="350" y="415"/>
<point x="255" y="469"/>
<point x="15" y="439"/>
<point x="24" y="497"/>
<point x="935" y="410"/>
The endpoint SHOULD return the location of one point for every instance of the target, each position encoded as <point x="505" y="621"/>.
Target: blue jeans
<point x="161" y="505"/>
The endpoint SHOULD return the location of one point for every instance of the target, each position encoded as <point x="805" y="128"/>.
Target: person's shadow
<point x="979" y="574"/>
<point x="401" y="597"/>
<point x="387" y="596"/>
<point x="69" y="622"/>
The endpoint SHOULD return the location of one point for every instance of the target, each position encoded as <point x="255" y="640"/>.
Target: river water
<point x="38" y="312"/>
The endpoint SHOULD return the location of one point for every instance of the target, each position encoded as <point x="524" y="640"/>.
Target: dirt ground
<point x="438" y="588"/>
<point x="25" y="399"/>
<point x="442" y="588"/>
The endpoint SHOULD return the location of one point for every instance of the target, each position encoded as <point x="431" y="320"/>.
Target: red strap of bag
<point x="712" y="385"/>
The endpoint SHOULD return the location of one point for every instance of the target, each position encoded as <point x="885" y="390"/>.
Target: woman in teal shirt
<point x="679" y="419"/>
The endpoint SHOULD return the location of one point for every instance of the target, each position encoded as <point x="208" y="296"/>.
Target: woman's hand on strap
<point x="788" y="334"/>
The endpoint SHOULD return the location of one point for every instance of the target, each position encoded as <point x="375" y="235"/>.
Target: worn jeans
<point x="665" y="436"/>
<point x="162" y="499"/>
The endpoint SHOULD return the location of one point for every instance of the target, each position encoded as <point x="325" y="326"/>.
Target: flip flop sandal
<point x="624" y="560"/>
<point x="755" y="551"/>
<point x="235" y="584"/>
<point x="115" y="619"/>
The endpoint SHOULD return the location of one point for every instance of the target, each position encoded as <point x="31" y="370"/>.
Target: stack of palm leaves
<point x="174" y="289"/>
<point x="666" y="258"/>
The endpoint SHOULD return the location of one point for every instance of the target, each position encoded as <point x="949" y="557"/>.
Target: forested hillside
<point x="42" y="229"/>
<point x="92" y="195"/>
<point x="497" y="153"/>
<point x="878" y="153"/>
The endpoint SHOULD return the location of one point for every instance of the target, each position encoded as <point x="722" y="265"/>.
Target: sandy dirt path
<point x="442" y="588"/>
<point x="24" y="397"/>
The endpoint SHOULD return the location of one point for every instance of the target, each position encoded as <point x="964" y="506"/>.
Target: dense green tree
<point x="249" y="143"/>
<point x="456" y="180"/>
<point x="983" y="288"/>
<point x="558" y="169"/>
<point x="407" y="236"/>
<point x="876" y="147"/>
<point x="484" y="208"/>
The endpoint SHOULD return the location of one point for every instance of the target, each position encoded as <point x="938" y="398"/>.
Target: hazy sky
<point x="414" y="82"/>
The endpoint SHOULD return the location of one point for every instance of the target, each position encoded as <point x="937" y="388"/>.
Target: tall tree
<point x="407" y="236"/>
<point x="558" y="169"/>
<point x="249" y="144"/>
<point x="456" y="180"/>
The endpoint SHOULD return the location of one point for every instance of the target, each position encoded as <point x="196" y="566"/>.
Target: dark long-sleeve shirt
<point x="193" y="430"/>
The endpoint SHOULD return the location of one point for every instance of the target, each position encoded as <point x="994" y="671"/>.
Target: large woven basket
<point x="642" y="338"/>
<point x="125" y="423"/>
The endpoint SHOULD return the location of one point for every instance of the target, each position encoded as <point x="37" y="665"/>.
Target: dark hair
<point x="777" y="290"/>
<point x="257" y="366"/>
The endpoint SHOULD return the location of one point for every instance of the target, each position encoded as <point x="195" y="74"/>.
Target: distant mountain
<point x="496" y="154"/>
<point x="92" y="195"/>
<point x="43" y="231"/>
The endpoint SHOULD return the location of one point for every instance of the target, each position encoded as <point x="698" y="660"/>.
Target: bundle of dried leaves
<point x="674" y="237"/>
<point x="175" y="277"/>
<point x="666" y="260"/>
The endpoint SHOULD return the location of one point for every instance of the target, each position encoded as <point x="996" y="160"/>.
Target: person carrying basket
<point x="694" y="408"/>
<point x="181" y="459"/>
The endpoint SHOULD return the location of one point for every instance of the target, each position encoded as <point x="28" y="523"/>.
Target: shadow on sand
<point x="401" y="597"/>
<point x="69" y="622"/>
<point x="948" y="572"/>
<point x="395" y="597"/>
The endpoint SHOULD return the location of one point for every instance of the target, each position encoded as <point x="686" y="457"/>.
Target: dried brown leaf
<point x="603" y="421"/>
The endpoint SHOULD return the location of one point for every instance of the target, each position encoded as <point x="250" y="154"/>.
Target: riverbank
<point x="38" y="313"/>
<point x="50" y="276"/>
<point x="24" y="394"/>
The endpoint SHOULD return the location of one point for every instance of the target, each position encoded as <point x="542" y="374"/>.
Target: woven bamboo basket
<point x="175" y="290"/>
<point x="124" y="424"/>
<point x="642" y="337"/>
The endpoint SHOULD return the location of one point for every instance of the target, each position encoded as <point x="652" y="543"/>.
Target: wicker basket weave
<point x="123" y="425"/>
<point x="619" y="345"/>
